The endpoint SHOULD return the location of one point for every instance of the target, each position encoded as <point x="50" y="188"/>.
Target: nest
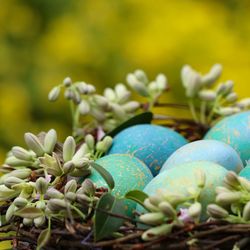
<point x="204" y="236"/>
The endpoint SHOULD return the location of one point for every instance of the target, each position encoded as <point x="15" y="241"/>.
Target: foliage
<point x="42" y="40"/>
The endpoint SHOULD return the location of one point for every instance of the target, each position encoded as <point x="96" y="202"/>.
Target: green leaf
<point x="29" y="212"/>
<point x="137" y="196"/>
<point x="105" y="174"/>
<point x="143" y="118"/>
<point x="43" y="238"/>
<point x="106" y="224"/>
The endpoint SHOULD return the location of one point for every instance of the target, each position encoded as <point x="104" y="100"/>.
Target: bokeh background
<point x="100" y="41"/>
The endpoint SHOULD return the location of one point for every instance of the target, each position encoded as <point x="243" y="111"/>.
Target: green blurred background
<point x="100" y="41"/>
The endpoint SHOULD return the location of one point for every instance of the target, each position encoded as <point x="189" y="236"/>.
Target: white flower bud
<point x="131" y="106"/>
<point x="56" y="204"/>
<point x="156" y="232"/>
<point x="244" y="183"/>
<point x="110" y="94"/>
<point x="69" y="147"/>
<point x="20" y="202"/>
<point x="67" y="82"/>
<point x="68" y="167"/>
<point x="22" y="153"/>
<point x="232" y="97"/>
<point x="225" y="111"/>
<point x="212" y="76"/>
<point x="90" y="141"/>
<point x="11" y="181"/>
<point x="90" y="89"/>
<point x="82" y="87"/>
<point x="207" y="95"/>
<point x="88" y="187"/>
<point x="244" y="103"/>
<point x="118" y="111"/>
<point x="216" y="211"/>
<point x="54" y="193"/>
<point x="54" y="94"/>
<point x="50" y="141"/>
<point x="122" y="93"/>
<point x="34" y="144"/>
<point x="81" y="152"/>
<point x="155" y="218"/>
<point x="97" y="114"/>
<point x="194" y="210"/>
<point x="161" y="81"/>
<point x="150" y="206"/>
<point x="14" y="162"/>
<point x="108" y="140"/>
<point x="70" y="186"/>
<point x="228" y="198"/>
<point x="101" y="101"/>
<point x="41" y="185"/>
<point x="138" y="86"/>
<point x="246" y="212"/>
<point x="39" y="221"/>
<point x="141" y="76"/>
<point x="167" y="209"/>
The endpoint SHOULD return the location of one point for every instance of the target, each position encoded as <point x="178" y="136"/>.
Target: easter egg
<point x="128" y="173"/>
<point x="150" y="143"/>
<point x="245" y="172"/>
<point x="206" y="150"/>
<point x="235" y="131"/>
<point x="180" y="179"/>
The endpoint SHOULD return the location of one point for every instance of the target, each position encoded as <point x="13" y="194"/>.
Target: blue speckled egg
<point x="245" y="172"/>
<point x="235" y="131"/>
<point x="206" y="150"/>
<point x="128" y="173"/>
<point x="178" y="180"/>
<point x="150" y="143"/>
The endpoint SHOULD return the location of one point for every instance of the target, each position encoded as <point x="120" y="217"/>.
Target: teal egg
<point x="128" y="173"/>
<point x="235" y="131"/>
<point x="178" y="180"/>
<point x="150" y="143"/>
<point x="245" y="172"/>
<point x="205" y="150"/>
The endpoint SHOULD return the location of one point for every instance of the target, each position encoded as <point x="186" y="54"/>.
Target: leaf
<point x="106" y="224"/>
<point x="143" y="118"/>
<point x="29" y="212"/>
<point x="137" y="196"/>
<point x="105" y="174"/>
<point x="43" y="238"/>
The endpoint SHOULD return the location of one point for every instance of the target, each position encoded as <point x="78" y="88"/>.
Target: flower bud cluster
<point x="214" y="101"/>
<point x="109" y="110"/>
<point x="165" y="210"/>
<point x="139" y="82"/>
<point x="232" y="200"/>
<point x="37" y="147"/>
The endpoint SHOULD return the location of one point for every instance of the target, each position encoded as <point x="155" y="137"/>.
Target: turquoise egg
<point x="150" y="143"/>
<point x="245" y="172"/>
<point x="235" y="131"/>
<point x="178" y="180"/>
<point x="128" y="173"/>
<point x="206" y="150"/>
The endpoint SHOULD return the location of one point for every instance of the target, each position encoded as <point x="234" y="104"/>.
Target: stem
<point x="78" y="212"/>
<point x="203" y="112"/>
<point x="193" y="112"/>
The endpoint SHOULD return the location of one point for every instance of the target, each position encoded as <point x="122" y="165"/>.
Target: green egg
<point x="183" y="177"/>
<point x="128" y="173"/>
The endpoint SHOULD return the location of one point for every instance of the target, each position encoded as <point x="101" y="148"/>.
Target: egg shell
<point x="178" y="180"/>
<point x="235" y="131"/>
<point x="245" y="172"/>
<point x="128" y="173"/>
<point x="152" y="144"/>
<point x="205" y="150"/>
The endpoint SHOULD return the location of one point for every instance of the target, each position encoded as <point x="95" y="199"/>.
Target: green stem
<point x="193" y="112"/>
<point x="78" y="212"/>
<point x="203" y="112"/>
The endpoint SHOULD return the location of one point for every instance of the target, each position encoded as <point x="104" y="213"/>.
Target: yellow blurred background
<point x="100" y="41"/>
